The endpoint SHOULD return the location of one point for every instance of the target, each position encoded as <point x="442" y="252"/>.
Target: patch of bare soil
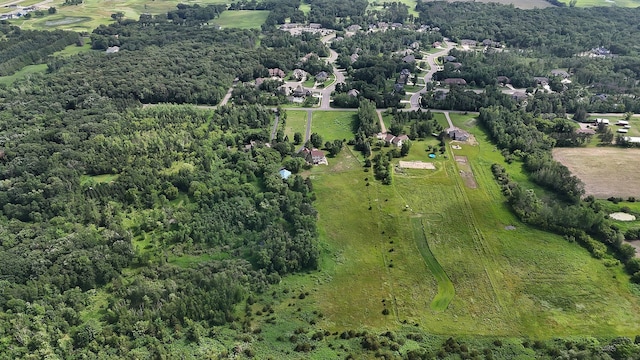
<point x="466" y="173"/>
<point x="416" y="165"/>
<point x="635" y="244"/>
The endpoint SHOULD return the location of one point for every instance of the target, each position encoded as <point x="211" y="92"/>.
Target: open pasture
<point x="242" y="19"/>
<point x="605" y="171"/>
<point x="508" y="279"/>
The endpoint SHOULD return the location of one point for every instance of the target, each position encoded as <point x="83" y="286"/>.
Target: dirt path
<point x="383" y="128"/>
<point x="274" y="131"/>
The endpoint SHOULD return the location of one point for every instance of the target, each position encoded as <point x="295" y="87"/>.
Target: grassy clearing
<point x="296" y="122"/>
<point x="98" y="179"/>
<point x="74" y="49"/>
<point x="176" y="167"/>
<point x="23" y="73"/>
<point x="332" y="125"/>
<point x="446" y="291"/>
<point x="522" y="282"/>
<point x="377" y="5"/>
<point x="242" y="19"/>
<point x="92" y="13"/>
<point x="605" y="171"/>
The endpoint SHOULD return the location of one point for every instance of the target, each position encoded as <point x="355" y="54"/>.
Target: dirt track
<point x="605" y="171"/>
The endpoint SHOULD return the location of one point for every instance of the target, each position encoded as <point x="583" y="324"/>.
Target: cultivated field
<point x="92" y="13"/>
<point x="522" y="4"/>
<point x="513" y="281"/>
<point x="605" y="171"/>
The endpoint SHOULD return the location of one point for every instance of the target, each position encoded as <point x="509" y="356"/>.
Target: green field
<point x="92" y="13"/>
<point x="23" y="73"/>
<point x="334" y="125"/>
<point x="521" y="282"/>
<point x="296" y="122"/>
<point x="242" y="19"/>
<point x="377" y="5"/>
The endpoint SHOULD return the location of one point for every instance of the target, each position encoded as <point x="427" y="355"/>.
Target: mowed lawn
<point x="296" y="122"/>
<point x="605" y="171"/>
<point x="242" y="19"/>
<point x="521" y="282"/>
<point x="334" y="125"/>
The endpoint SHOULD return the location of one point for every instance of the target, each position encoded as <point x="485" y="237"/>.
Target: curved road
<point x="433" y="68"/>
<point x="325" y="103"/>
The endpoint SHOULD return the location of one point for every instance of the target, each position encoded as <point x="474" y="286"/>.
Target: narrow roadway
<point x="433" y="68"/>
<point x="325" y="102"/>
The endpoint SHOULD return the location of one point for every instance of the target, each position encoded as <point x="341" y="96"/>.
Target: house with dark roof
<point x="353" y="92"/>
<point x="299" y="91"/>
<point x="468" y="42"/>
<point x="322" y="76"/>
<point x="519" y="96"/>
<point x="455" y="81"/>
<point x="409" y="59"/>
<point x="503" y="80"/>
<point x="561" y="73"/>
<point x="276" y="72"/>
<point x="541" y="80"/>
<point x="315" y="156"/>
<point x="449" y="58"/>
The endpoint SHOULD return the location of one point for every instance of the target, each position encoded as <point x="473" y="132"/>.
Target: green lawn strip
<point x="334" y="125"/>
<point x="296" y="122"/>
<point x="23" y="73"/>
<point x="446" y="291"/>
<point x="97" y="179"/>
<point x="242" y="19"/>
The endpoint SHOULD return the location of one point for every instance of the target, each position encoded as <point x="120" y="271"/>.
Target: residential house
<point x="276" y="72"/>
<point x="259" y="81"/>
<point x="299" y="74"/>
<point x="396" y="25"/>
<point x="354" y="57"/>
<point x="561" y="73"/>
<point x="315" y="156"/>
<point x="519" y="96"/>
<point x="436" y="44"/>
<point x="322" y="76"/>
<point x="468" y="42"/>
<point x="415" y="45"/>
<point x="388" y="138"/>
<point x="455" y="81"/>
<point x="541" y="80"/>
<point x="112" y="49"/>
<point x="456" y="65"/>
<point x="599" y="97"/>
<point x="489" y="42"/>
<point x="404" y="52"/>
<point x="354" y="28"/>
<point x="449" y="58"/>
<point x="503" y="80"/>
<point x="398" y="87"/>
<point x="299" y="91"/>
<point x="409" y="59"/>
<point x="458" y="135"/>
<point x="398" y="140"/>
<point x="284" y="90"/>
<point x="353" y="92"/>
<point x="315" y="26"/>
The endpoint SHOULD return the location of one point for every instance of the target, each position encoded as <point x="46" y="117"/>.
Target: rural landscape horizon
<point x="321" y="179"/>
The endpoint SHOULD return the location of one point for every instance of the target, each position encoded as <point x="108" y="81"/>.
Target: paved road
<point x="446" y="115"/>
<point x="325" y="102"/>
<point x="433" y="68"/>
<point x="226" y="97"/>
<point x="274" y="131"/>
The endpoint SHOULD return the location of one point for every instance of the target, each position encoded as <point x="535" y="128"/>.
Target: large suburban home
<point x="315" y="156"/>
<point x="276" y="73"/>
<point x="322" y="76"/>
<point x="398" y="140"/>
<point x="459" y="135"/>
<point x="455" y="81"/>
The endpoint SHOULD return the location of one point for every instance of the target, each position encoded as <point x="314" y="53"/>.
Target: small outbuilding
<point x="284" y="174"/>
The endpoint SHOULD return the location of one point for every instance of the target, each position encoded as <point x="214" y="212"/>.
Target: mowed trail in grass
<point x="446" y="291"/>
<point x="521" y="282"/>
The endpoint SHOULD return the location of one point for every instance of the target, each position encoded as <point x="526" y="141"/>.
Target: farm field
<point x="522" y="4"/>
<point x="334" y="125"/>
<point x="242" y="19"/>
<point x="296" y="122"/>
<point x="605" y="171"/>
<point x="521" y="282"/>
<point x="92" y="13"/>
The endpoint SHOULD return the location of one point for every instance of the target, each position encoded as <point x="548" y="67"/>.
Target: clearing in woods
<point x="522" y="4"/>
<point x="516" y="281"/>
<point x="605" y="171"/>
